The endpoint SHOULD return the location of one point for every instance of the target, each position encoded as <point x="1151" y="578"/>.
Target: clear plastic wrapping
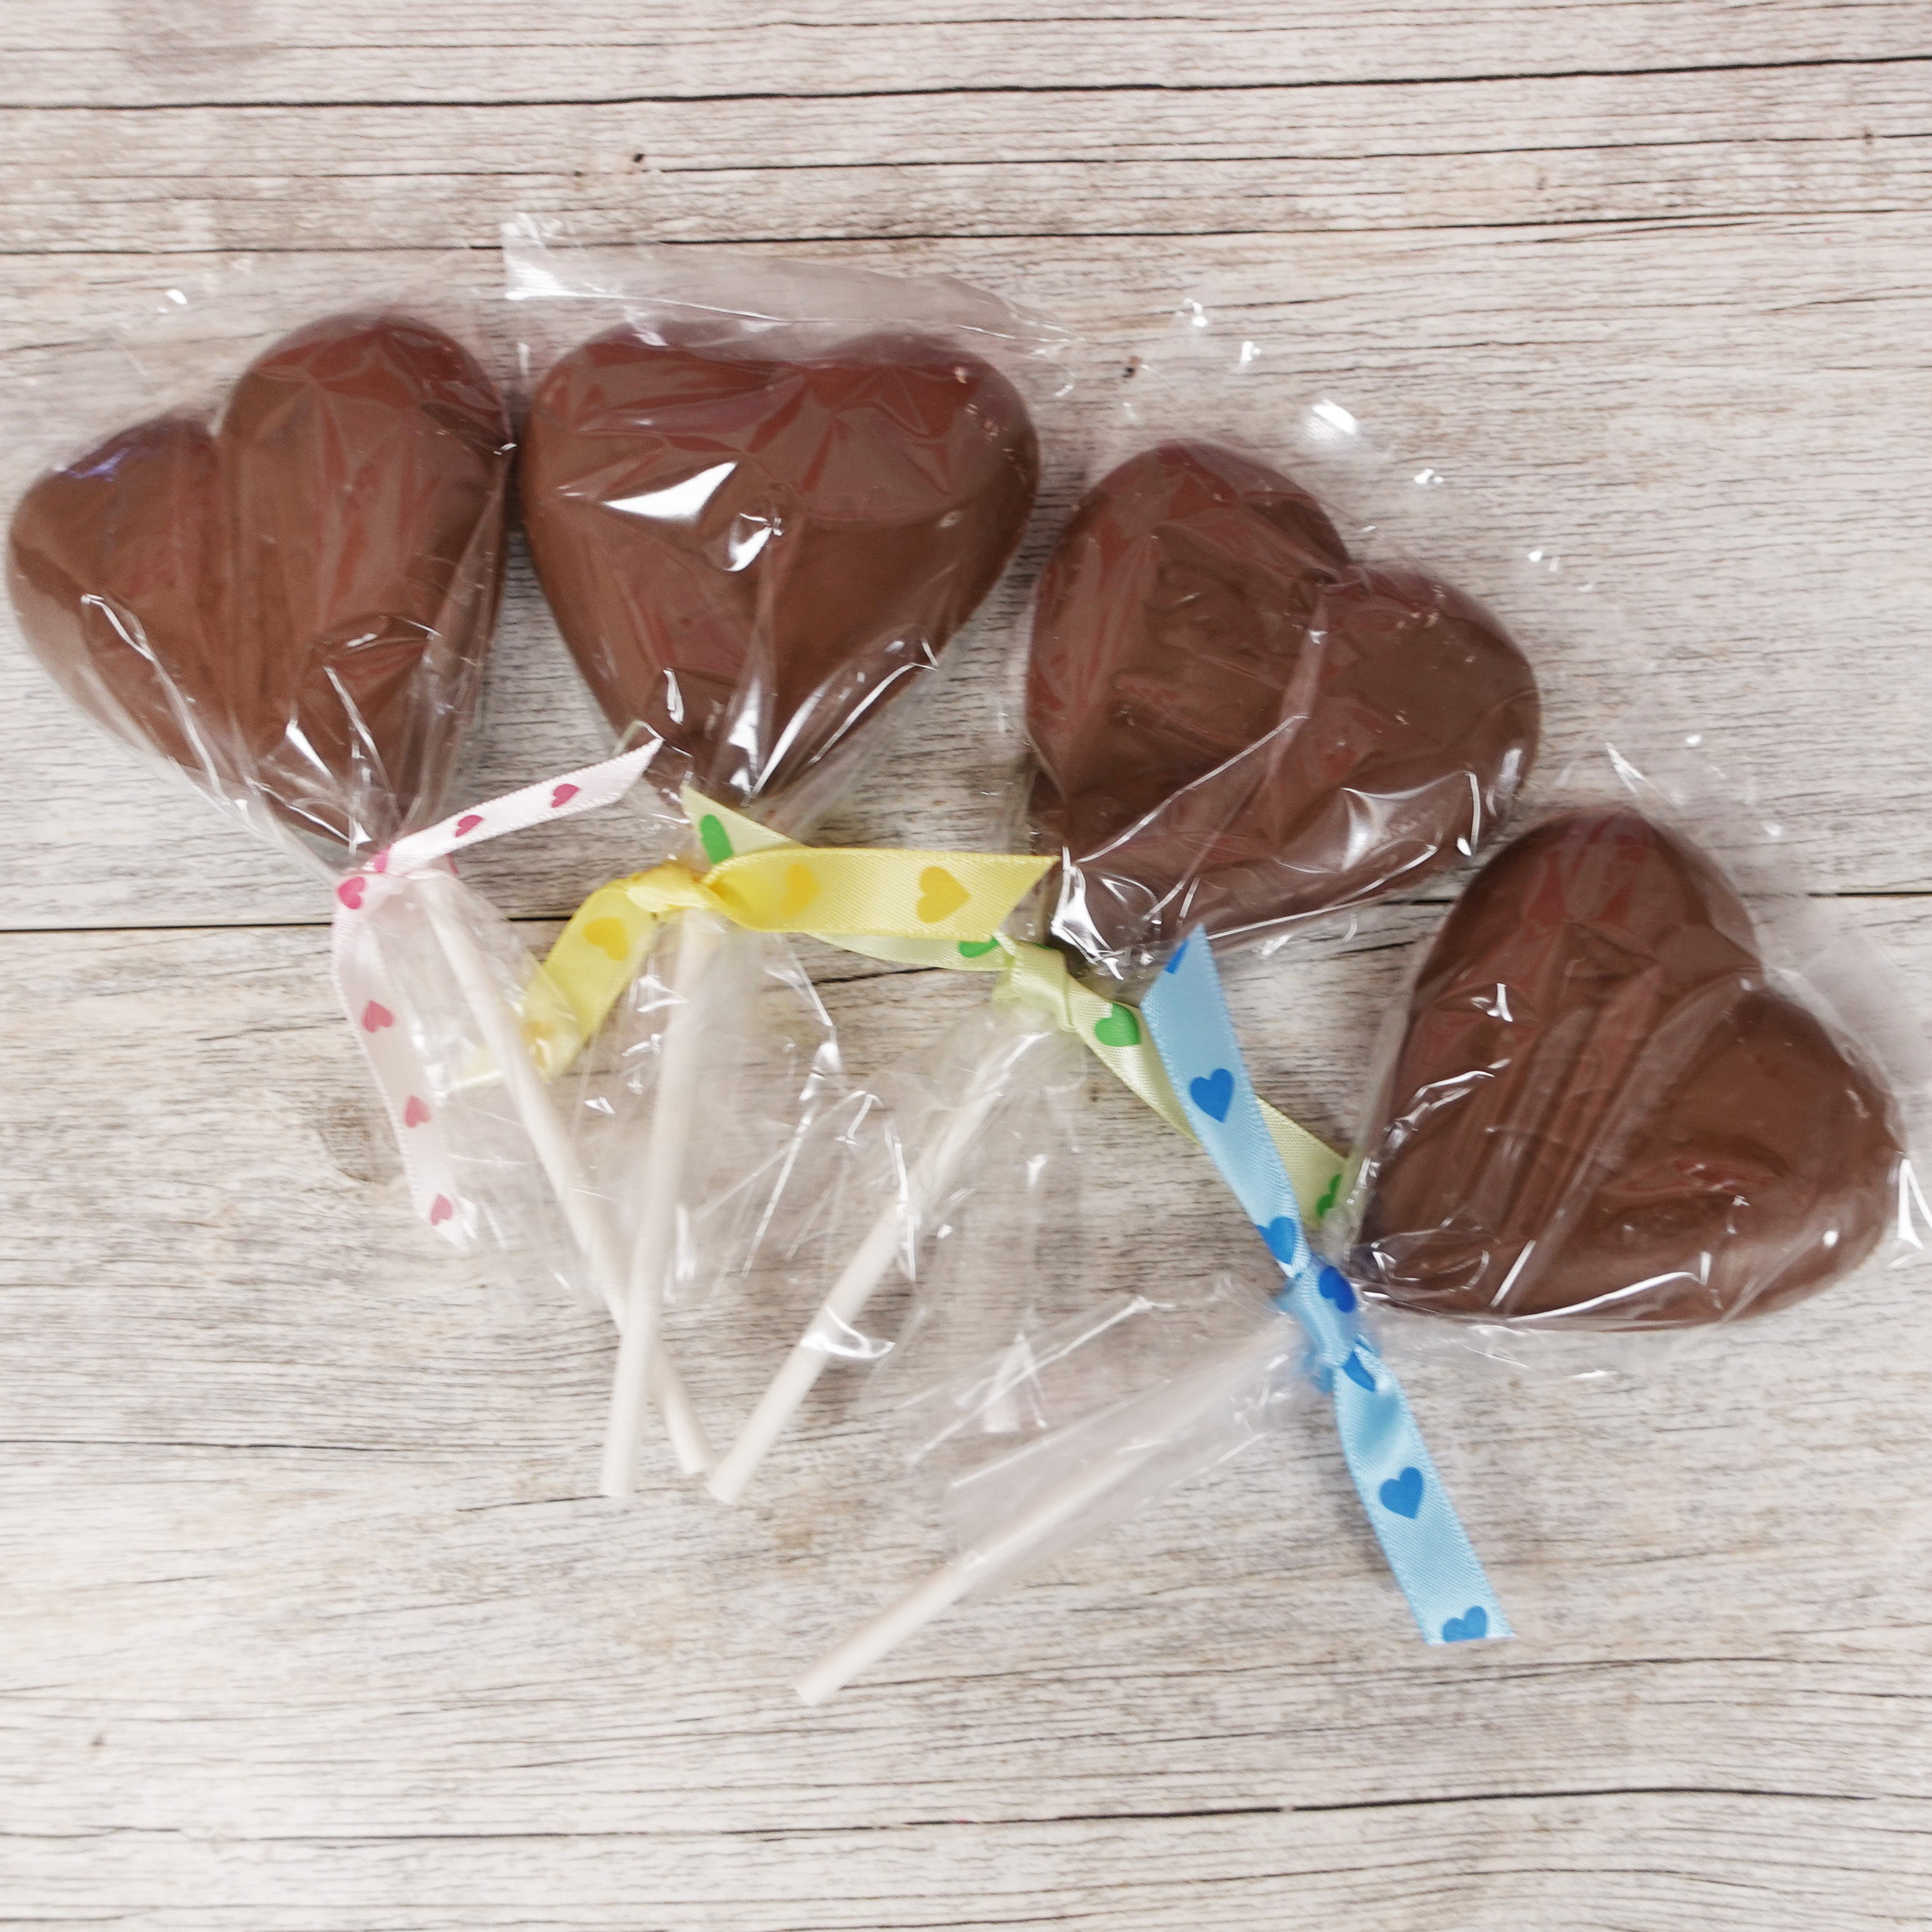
<point x="283" y="581"/>
<point x="1235" y="723"/>
<point x="280" y="580"/>
<point x="1589" y="1113"/>
<point x="1073" y="1428"/>
<point x="791" y="1150"/>
<point x="1628" y="1088"/>
<point x="1238" y="725"/>
<point x="762" y="498"/>
<point x="1171" y="1388"/>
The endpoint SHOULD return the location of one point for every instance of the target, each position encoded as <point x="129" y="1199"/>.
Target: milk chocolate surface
<point x="1603" y="1114"/>
<point x="1236" y="724"/>
<point x="294" y="604"/>
<point x="752" y="556"/>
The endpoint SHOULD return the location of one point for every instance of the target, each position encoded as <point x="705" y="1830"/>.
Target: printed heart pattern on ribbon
<point x="715" y="840"/>
<point x="609" y="937"/>
<point x="1603" y="1112"/>
<point x="1212" y="1092"/>
<point x="1238" y="725"/>
<point x="1118" y="1028"/>
<point x="801" y="888"/>
<point x="1429" y="1554"/>
<point x="941" y="895"/>
<point x="1402" y="1494"/>
<point x="375" y="999"/>
<point x="1472" y="1625"/>
<point x="1332" y="1286"/>
<point x="749" y="555"/>
<point x="312" y="581"/>
<point x="1280" y="1234"/>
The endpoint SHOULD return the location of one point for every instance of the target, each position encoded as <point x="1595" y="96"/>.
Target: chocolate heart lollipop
<point x="294" y="604"/>
<point x="751" y="556"/>
<point x="1237" y="726"/>
<point x="1603" y="1114"/>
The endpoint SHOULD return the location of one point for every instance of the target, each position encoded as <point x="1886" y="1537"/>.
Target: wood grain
<point x="307" y="1617"/>
<point x="116" y="53"/>
<point x="331" y="1624"/>
<point x="1837" y="141"/>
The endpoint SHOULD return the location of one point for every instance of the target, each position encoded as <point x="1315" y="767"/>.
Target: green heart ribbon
<point x="908" y="908"/>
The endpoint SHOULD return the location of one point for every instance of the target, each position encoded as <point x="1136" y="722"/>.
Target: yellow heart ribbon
<point x="766" y="883"/>
<point x="932" y="909"/>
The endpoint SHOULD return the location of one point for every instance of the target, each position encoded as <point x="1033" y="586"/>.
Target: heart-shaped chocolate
<point x="294" y="604"/>
<point x="751" y="556"/>
<point x="1237" y="726"/>
<point x="1603" y="1114"/>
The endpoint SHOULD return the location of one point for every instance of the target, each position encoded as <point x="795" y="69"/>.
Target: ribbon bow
<point x="1427" y="1550"/>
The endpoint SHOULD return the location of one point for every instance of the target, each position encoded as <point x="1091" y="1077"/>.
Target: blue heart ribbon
<point x="1428" y="1551"/>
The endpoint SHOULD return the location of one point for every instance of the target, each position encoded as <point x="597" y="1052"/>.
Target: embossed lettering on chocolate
<point x="1604" y="1113"/>
<point x="751" y="556"/>
<point x="1238" y="725"/>
<point x="294" y="603"/>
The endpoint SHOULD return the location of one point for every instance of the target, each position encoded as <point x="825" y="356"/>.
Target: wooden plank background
<point x="308" y="1619"/>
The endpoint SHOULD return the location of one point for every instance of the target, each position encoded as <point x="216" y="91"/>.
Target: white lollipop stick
<point x="583" y="1210"/>
<point x="1158" y="1419"/>
<point x="931" y="1175"/>
<point x="699" y="934"/>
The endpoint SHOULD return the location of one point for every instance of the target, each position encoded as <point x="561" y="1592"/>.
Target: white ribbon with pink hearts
<point x="374" y="1005"/>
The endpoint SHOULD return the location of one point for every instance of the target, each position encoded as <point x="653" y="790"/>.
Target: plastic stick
<point x="1155" y="1421"/>
<point x="699" y="934"/>
<point x="583" y="1209"/>
<point x="931" y="1175"/>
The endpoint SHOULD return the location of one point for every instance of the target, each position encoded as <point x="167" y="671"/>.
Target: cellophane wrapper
<point x="267" y="547"/>
<point x="1072" y="1425"/>
<point x="765" y="497"/>
<point x="1255" y="693"/>
<point x="1640" y="1085"/>
<point x="264" y="546"/>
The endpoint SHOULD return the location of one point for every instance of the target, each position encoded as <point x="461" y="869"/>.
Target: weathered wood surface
<point x="307" y="1618"/>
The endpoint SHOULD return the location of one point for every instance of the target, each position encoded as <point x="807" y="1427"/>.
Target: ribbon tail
<point x="1428" y="1551"/>
<point x="389" y="1051"/>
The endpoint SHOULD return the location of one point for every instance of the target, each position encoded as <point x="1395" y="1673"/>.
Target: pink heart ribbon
<point x="378" y="1008"/>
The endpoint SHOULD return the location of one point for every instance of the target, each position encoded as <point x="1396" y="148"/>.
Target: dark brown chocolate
<point x="1602" y="1114"/>
<point x="1237" y="726"/>
<point x="751" y="556"/>
<point x="294" y="604"/>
